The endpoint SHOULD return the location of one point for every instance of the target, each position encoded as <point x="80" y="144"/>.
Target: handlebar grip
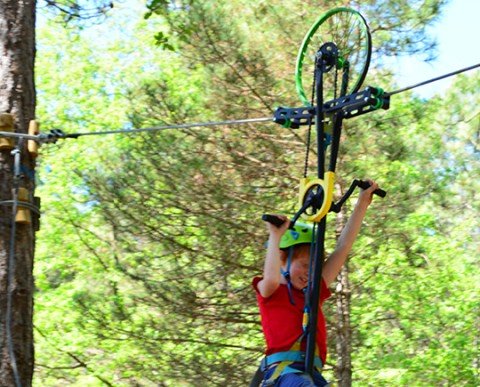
<point x="365" y="184"/>
<point x="273" y="219"/>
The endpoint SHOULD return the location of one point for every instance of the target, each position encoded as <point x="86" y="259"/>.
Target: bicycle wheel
<point x="350" y="35"/>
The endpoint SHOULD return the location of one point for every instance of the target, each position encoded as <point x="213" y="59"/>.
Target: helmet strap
<point x="286" y="274"/>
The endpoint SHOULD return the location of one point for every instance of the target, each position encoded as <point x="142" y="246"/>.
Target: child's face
<point x="299" y="266"/>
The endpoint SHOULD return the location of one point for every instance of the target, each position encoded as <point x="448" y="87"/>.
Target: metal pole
<point x="314" y="297"/>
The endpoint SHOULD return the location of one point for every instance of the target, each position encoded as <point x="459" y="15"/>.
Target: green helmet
<point x="301" y="233"/>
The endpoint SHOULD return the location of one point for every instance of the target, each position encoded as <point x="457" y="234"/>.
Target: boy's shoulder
<point x="255" y="281"/>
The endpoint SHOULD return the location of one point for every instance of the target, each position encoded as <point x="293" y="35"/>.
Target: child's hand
<point x="278" y="231"/>
<point x="366" y="195"/>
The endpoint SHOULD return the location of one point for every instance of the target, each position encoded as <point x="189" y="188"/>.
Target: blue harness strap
<point x="290" y="356"/>
<point x="286" y="274"/>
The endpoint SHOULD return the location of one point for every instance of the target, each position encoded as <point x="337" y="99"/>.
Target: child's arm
<point x="271" y="270"/>
<point x="348" y="235"/>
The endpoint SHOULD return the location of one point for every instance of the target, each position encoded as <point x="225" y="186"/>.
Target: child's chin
<point x="300" y="287"/>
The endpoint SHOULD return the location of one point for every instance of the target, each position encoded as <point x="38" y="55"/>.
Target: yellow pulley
<point x="307" y="189"/>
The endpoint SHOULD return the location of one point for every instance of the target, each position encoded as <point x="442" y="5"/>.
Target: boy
<point x="280" y="295"/>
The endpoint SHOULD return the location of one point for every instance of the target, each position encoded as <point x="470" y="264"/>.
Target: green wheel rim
<point x="349" y="31"/>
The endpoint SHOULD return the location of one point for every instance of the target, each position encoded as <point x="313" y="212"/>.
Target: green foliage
<point x="149" y="241"/>
<point x="414" y="316"/>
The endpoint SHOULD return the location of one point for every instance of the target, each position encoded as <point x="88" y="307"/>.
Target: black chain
<point x="345" y="78"/>
<point x="335" y="82"/>
<point x="309" y="131"/>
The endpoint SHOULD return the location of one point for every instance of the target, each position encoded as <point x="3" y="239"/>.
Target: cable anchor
<point x="52" y="136"/>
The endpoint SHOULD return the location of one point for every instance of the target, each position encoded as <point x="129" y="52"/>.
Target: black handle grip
<point x="365" y="184"/>
<point x="275" y="220"/>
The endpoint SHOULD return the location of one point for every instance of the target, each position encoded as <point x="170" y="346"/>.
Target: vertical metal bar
<point x="319" y="124"/>
<point x="336" y="132"/>
<point x="315" y="297"/>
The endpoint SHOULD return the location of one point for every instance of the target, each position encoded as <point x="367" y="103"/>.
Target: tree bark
<point x="343" y="331"/>
<point x="17" y="97"/>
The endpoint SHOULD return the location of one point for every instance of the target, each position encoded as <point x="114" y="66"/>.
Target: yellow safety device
<point x="307" y="184"/>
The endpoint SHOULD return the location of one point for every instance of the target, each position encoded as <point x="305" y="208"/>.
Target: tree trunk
<point x="343" y="369"/>
<point x="17" y="97"/>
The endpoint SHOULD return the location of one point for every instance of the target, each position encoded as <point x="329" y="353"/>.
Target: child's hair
<point x="297" y="251"/>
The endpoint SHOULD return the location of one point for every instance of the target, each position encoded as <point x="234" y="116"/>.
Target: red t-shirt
<point x="282" y="321"/>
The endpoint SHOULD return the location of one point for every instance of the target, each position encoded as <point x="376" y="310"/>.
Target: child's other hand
<point x="366" y="195"/>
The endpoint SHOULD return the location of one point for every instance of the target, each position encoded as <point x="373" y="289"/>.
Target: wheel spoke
<point x="348" y="30"/>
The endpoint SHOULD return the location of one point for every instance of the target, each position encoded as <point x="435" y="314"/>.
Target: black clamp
<point x="52" y="136"/>
<point x="353" y="105"/>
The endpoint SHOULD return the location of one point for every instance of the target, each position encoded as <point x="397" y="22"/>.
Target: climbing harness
<point x="284" y="362"/>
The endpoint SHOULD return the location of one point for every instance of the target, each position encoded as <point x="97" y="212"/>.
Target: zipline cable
<point x="208" y="124"/>
<point x="47" y="138"/>
<point x="433" y="80"/>
<point x="179" y="126"/>
<point x="55" y="134"/>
